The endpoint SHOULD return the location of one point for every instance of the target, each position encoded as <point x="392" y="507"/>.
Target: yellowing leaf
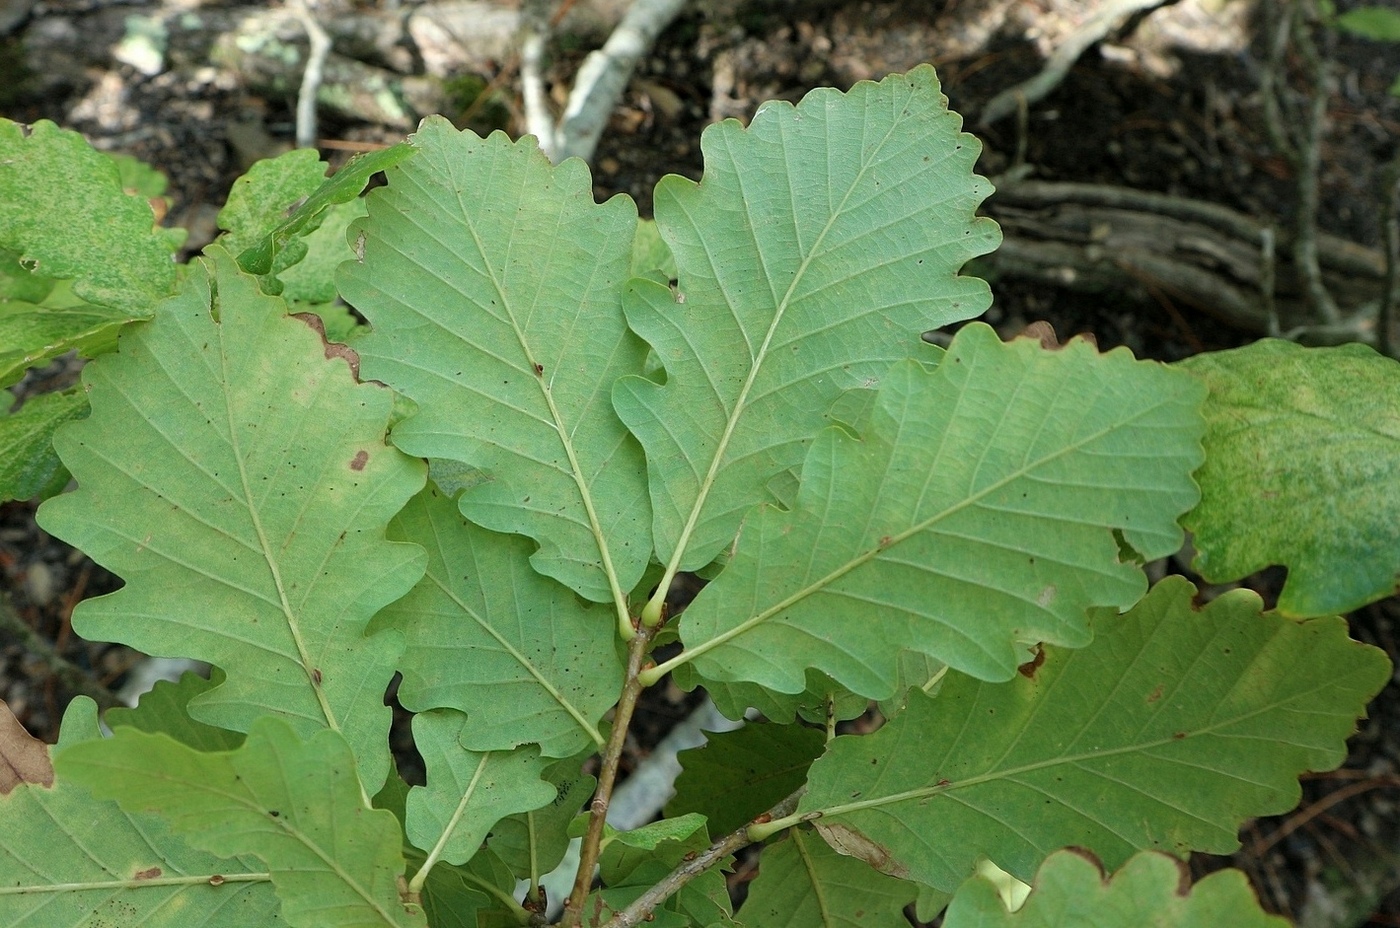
<point x="1302" y="469"/>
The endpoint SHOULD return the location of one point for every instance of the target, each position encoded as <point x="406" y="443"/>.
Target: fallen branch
<point x="1097" y="238"/>
<point x="1113" y="13"/>
<point x="312" y="75"/>
<point x="600" y="81"/>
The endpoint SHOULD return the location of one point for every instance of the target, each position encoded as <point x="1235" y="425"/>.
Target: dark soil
<point x="1178" y="116"/>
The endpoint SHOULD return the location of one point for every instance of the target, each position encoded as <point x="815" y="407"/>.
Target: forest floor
<point x="1167" y="103"/>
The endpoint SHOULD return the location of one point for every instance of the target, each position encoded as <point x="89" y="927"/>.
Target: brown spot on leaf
<point x="332" y="349"/>
<point x="852" y="843"/>
<point x="1155" y="695"/>
<point x="1090" y="856"/>
<point x="360" y="459"/>
<point x="23" y="758"/>
<point x="149" y="874"/>
<point x="217" y="880"/>
<point x="316" y="675"/>
<point x="1177" y="736"/>
<point x="1029" y="668"/>
<point x="1044" y="333"/>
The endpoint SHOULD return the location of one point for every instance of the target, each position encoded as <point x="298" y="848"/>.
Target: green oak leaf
<point x="634" y="861"/>
<point x="1165" y="733"/>
<point x="263" y="256"/>
<point x="19" y="283"/>
<point x="312" y="279"/>
<point x="739" y="774"/>
<point x="164" y="709"/>
<point x="525" y="658"/>
<point x="492" y="281"/>
<point x="32" y="334"/>
<point x="468" y="791"/>
<point x="249" y="515"/>
<point x="1302" y="469"/>
<point x="1371" y="22"/>
<point x="803" y="883"/>
<point x="1148" y="892"/>
<point x="69" y="860"/>
<point x="294" y="803"/>
<point x="29" y="466"/>
<point x="978" y="511"/>
<point x="666" y="841"/>
<point x="478" y="895"/>
<point x="650" y="256"/>
<point x="260" y="201"/>
<point x="824" y="238"/>
<point x="702" y="901"/>
<point x="137" y="177"/>
<point x="533" y="843"/>
<point x="63" y="211"/>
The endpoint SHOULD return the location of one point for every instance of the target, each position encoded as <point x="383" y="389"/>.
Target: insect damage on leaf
<point x="333" y="349"/>
<point x="852" y="843"/>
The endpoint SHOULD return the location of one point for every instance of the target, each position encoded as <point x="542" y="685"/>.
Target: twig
<point x="69" y="674"/>
<point x="1063" y="58"/>
<point x="534" y="33"/>
<point x="1267" y="270"/>
<point x="1309" y="166"/>
<point x="1386" y="338"/>
<point x="311" y="77"/>
<point x="647" y="789"/>
<point x="1339" y="253"/>
<point x="1271" y="86"/>
<point x="642" y="907"/>
<point x="1303" y="816"/>
<point x="604" y="76"/>
<point x="607" y="778"/>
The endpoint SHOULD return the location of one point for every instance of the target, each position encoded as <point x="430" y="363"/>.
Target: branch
<point x="311" y="77"/>
<point x="641" y="908"/>
<point x="1386" y="336"/>
<point x="607" y="778"/>
<point x="1063" y="58"/>
<point x="1094" y="238"/>
<point x="605" y="74"/>
<point x="1308" y="165"/>
<point x="534" y="33"/>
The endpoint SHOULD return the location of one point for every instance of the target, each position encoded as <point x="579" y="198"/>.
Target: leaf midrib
<point x="565" y="434"/>
<point x="254" y="514"/>
<point x="780" y="311"/>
